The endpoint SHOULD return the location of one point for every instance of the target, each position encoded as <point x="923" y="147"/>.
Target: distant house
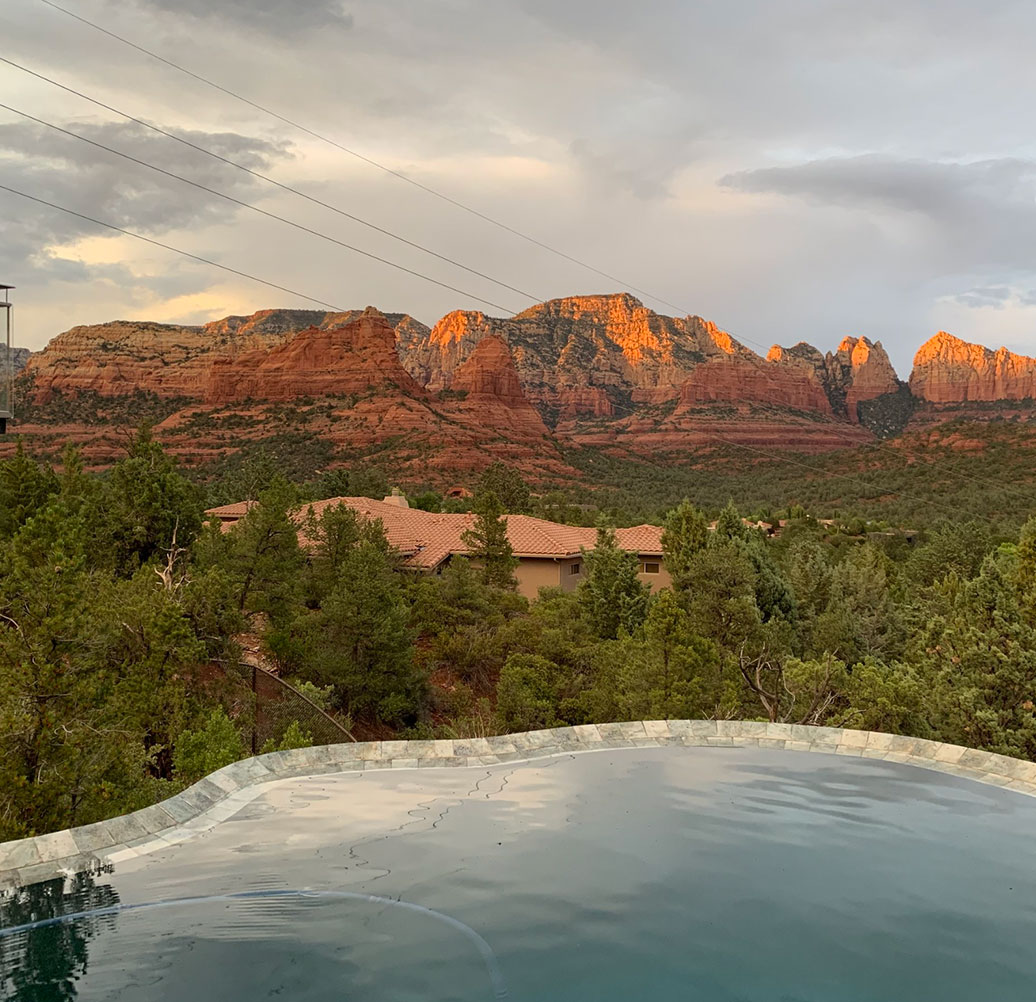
<point x="548" y="553"/>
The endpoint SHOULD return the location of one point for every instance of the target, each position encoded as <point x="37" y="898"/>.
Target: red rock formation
<point x="864" y="370"/>
<point x="740" y="380"/>
<point x="570" y="352"/>
<point x="119" y="358"/>
<point x="355" y="358"/>
<point x="493" y="394"/>
<point x="948" y="370"/>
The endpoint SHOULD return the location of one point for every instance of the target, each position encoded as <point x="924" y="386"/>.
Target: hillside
<point x="582" y="377"/>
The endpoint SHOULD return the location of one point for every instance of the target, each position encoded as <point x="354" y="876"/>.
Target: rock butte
<point x="948" y="370"/>
<point x="599" y="370"/>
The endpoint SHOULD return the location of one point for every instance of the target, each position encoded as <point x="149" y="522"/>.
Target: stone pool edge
<point x="222" y="794"/>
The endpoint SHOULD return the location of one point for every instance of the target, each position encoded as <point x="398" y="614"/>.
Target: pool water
<point x="727" y="875"/>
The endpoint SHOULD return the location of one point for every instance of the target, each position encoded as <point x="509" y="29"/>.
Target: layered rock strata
<point x="168" y="360"/>
<point x="948" y="370"/>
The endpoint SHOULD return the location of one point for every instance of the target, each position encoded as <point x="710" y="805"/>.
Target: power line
<point x="359" y="156"/>
<point x="403" y="177"/>
<point x="270" y="180"/>
<point x="253" y="208"/>
<point x="169" y="247"/>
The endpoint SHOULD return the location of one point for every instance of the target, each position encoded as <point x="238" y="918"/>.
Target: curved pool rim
<point x="222" y="794"/>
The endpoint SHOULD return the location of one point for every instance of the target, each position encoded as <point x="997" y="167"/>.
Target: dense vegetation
<point x="121" y="615"/>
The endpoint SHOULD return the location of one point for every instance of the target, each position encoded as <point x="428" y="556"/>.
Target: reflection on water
<point x="713" y="876"/>
<point x="45" y="965"/>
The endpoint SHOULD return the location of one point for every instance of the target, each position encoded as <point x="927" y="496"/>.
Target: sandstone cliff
<point x="858" y="371"/>
<point x="948" y="370"/>
<point x="357" y="357"/>
<point x="740" y="379"/>
<point x="168" y="360"/>
<point x="490" y="392"/>
<point x="581" y="355"/>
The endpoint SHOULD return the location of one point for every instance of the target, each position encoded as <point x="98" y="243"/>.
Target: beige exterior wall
<point x="534" y="574"/>
<point x="655" y="581"/>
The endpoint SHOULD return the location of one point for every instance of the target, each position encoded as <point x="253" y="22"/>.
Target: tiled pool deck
<point x="221" y="795"/>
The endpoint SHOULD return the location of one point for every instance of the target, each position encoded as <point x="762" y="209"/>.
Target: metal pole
<point x="255" y="708"/>
<point x="8" y="376"/>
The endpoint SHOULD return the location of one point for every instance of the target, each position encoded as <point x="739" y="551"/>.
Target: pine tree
<point x="686" y="533"/>
<point x="360" y="641"/>
<point x="509" y="487"/>
<point x="611" y="595"/>
<point x="729" y="525"/>
<point x="488" y="543"/>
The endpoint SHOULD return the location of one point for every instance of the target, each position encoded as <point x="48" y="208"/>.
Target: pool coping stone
<point x="219" y="796"/>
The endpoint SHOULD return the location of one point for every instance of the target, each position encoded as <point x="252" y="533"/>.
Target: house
<point x="548" y="553"/>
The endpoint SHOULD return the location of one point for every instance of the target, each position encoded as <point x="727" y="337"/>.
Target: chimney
<point x="397" y="498"/>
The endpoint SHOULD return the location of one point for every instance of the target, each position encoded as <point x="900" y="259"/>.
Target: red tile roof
<point x="427" y="538"/>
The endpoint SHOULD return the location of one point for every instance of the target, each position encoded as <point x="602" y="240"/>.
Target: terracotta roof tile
<point x="427" y="538"/>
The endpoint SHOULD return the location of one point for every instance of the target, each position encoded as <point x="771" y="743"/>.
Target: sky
<point x="790" y="169"/>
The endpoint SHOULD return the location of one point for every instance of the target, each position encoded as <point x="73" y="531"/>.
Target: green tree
<point x="360" y="641"/>
<point x="729" y="525"/>
<point x="146" y="508"/>
<point x="216" y="743"/>
<point x="527" y="695"/>
<point x="611" y="595"/>
<point x="507" y="484"/>
<point x="721" y="580"/>
<point x="260" y="554"/>
<point x="25" y="488"/>
<point x="686" y="533"/>
<point x="665" y="672"/>
<point x="488" y="543"/>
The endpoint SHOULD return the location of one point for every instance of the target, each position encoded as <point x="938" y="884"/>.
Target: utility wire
<point x="169" y="247"/>
<point x="269" y="180"/>
<point x="403" y="177"/>
<point x="359" y="156"/>
<point x="253" y="208"/>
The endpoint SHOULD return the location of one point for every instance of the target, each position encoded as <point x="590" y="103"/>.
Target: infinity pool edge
<point x="223" y="793"/>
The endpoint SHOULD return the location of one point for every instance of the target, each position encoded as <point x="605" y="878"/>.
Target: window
<point x="650" y="567"/>
<point x="575" y="568"/>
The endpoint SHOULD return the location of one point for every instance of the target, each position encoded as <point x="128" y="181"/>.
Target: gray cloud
<point x="947" y="192"/>
<point x="58" y="168"/>
<point x="268" y="15"/>
<point x="895" y="134"/>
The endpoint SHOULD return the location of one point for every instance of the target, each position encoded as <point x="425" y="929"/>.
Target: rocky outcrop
<point x="751" y="379"/>
<point x="356" y="358"/>
<point x="862" y="371"/>
<point x="856" y="372"/>
<point x="948" y="370"/>
<point x="488" y="389"/>
<point x="168" y="360"/>
<point x="578" y="356"/>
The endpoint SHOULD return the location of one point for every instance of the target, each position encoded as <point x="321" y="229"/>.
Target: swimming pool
<point x="715" y="874"/>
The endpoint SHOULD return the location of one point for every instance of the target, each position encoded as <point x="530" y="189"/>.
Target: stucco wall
<point x="534" y="574"/>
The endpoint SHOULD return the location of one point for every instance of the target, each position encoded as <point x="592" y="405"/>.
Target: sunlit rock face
<point x="357" y="357"/>
<point x="948" y="370"/>
<point x="580" y="355"/>
<point x="487" y="390"/>
<point x="169" y="360"/>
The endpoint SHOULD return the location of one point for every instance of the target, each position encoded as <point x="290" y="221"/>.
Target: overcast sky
<point x="791" y="169"/>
